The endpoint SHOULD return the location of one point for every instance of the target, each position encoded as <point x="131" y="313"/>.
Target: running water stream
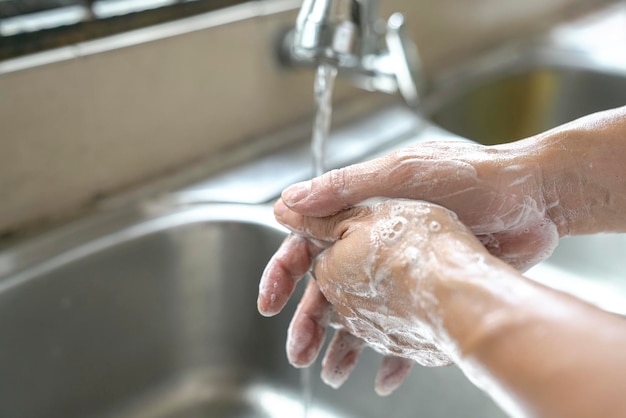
<point x="323" y="88"/>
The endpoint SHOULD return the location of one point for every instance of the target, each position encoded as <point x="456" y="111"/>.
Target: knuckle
<point x="336" y="182"/>
<point x="322" y="270"/>
<point x="344" y="222"/>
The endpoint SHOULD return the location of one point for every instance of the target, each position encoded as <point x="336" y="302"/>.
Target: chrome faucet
<point x="349" y="35"/>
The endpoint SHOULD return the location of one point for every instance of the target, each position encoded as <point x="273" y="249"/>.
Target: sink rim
<point x="67" y="244"/>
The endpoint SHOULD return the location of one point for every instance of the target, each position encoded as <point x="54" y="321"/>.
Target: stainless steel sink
<point x="510" y="96"/>
<point x="149" y="314"/>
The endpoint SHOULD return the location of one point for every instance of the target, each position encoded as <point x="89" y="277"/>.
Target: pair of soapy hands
<point x="373" y="261"/>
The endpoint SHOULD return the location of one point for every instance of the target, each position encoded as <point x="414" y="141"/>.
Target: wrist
<point x="582" y="173"/>
<point x="477" y="296"/>
<point x="562" y="157"/>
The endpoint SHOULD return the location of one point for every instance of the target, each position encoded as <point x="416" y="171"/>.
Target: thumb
<point x="325" y="229"/>
<point x="339" y="189"/>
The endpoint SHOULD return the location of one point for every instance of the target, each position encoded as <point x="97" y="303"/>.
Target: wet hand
<point x="375" y="285"/>
<point x="497" y="192"/>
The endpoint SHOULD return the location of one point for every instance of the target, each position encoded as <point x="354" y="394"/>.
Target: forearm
<point x="584" y="172"/>
<point x="552" y="355"/>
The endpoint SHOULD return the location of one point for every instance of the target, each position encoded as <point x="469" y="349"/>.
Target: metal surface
<point x="258" y="182"/>
<point x="590" y="267"/>
<point x="33" y="26"/>
<point x="157" y="318"/>
<point x="349" y="35"/>
<point x="506" y="97"/>
<point x="329" y="30"/>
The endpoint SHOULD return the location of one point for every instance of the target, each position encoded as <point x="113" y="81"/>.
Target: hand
<point x="380" y="272"/>
<point x="375" y="281"/>
<point x="496" y="191"/>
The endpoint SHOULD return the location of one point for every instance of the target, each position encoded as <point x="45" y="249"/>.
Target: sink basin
<point x="526" y="95"/>
<point x="154" y="315"/>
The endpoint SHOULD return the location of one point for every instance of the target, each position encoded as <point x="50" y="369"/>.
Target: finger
<point x="429" y="171"/>
<point x="307" y="330"/>
<point x="392" y="372"/>
<point x="341" y="188"/>
<point x="323" y="231"/>
<point x="341" y="357"/>
<point x="288" y="265"/>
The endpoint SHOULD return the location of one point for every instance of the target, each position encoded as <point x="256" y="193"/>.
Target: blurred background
<point x="98" y="98"/>
<point x="28" y="26"/>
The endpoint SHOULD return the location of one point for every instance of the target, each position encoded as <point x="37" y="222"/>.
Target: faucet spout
<point x="327" y="30"/>
<point x="349" y="35"/>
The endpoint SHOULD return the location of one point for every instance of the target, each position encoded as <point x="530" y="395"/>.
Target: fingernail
<point x="305" y="337"/>
<point x="392" y="372"/>
<point x="280" y="209"/>
<point x="264" y="303"/>
<point x="294" y="194"/>
<point x="301" y="350"/>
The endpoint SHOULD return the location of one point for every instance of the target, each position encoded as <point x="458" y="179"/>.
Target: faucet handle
<point x="397" y="69"/>
<point x="346" y="34"/>
<point x="404" y="60"/>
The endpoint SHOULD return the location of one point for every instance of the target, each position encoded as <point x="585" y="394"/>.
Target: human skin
<point x="411" y="281"/>
<point x="517" y="199"/>
<point x="572" y="173"/>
